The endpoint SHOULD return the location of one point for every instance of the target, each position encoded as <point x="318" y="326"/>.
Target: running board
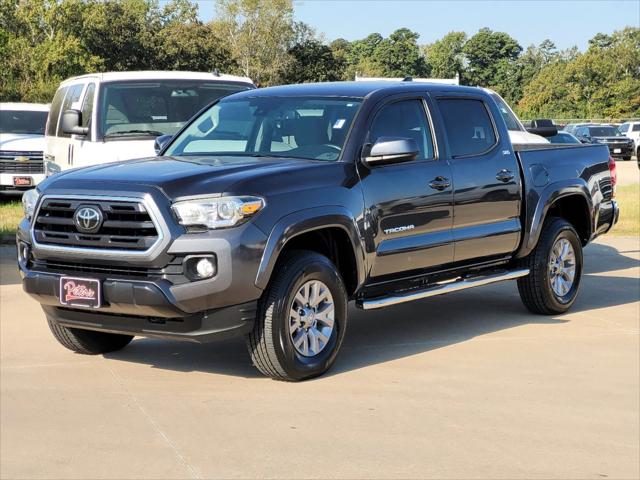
<point x="441" y="289"/>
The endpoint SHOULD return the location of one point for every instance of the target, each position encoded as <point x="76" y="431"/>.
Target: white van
<point x="21" y="145"/>
<point x="106" y="117"/>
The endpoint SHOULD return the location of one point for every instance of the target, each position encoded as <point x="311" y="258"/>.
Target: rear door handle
<point x="440" y="183"/>
<point x="505" y="175"/>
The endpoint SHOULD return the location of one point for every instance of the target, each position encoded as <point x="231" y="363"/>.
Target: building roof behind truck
<point x="351" y="89"/>
<point x="25" y="107"/>
<point x="159" y="75"/>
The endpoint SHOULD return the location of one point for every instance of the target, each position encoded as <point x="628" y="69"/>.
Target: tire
<point x="271" y="343"/>
<point x="88" y="342"/>
<point x="626" y="158"/>
<point x="536" y="290"/>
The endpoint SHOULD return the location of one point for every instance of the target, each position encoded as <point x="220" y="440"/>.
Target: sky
<point x="565" y="22"/>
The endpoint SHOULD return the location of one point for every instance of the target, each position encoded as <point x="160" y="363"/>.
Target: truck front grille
<point x="126" y="225"/>
<point x="21" y="162"/>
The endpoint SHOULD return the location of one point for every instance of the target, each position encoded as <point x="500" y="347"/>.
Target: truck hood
<point x="21" y="142"/>
<point x="178" y="176"/>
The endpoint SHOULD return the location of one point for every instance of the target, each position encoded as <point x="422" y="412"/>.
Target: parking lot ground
<point x="468" y="385"/>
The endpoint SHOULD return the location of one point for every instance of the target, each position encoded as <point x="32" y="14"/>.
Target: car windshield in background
<point x="563" y="137"/>
<point x="153" y="108"/>
<point x="300" y="127"/>
<point x="604" y="132"/>
<point x="26" y="122"/>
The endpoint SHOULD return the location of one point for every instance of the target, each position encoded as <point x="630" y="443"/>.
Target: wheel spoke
<point x="314" y="347"/>
<point x="311" y="318"/>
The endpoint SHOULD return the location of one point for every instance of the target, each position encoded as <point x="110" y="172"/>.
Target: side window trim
<point x="496" y="134"/>
<point x="90" y="123"/>
<point x="427" y="115"/>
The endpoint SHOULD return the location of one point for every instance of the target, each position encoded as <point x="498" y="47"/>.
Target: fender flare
<point x="543" y="200"/>
<point x="304" y="221"/>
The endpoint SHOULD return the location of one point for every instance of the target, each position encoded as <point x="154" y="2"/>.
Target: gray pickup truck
<point x="273" y="208"/>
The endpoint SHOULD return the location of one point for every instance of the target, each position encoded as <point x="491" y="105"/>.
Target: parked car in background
<point x="563" y="137"/>
<point x="21" y="145"/>
<point x="106" y="117"/>
<point x="632" y="130"/>
<point x="572" y="127"/>
<point x="619" y="145"/>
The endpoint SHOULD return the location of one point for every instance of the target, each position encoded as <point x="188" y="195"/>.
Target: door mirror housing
<point x="390" y="150"/>
<point x="72" y="121"/>
<point x="161" y="142"/>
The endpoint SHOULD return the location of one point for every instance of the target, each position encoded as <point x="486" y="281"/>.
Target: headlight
<point x="216" y="212"/>
<point x="29" y="200"/>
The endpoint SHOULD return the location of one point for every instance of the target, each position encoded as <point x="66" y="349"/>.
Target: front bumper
<point x="625" y="149"/>
<point x="7" y="182"/>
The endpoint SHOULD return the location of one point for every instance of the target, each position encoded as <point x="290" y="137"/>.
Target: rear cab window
<point x="468" y="126"/>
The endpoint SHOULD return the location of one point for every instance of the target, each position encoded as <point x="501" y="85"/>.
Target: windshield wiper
<point x="134" y="132"/>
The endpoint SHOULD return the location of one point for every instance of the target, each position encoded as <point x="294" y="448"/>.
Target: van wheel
<point x="301" y="320"/>
<point x="88" y="342"/>
<point x="555" y="269"/>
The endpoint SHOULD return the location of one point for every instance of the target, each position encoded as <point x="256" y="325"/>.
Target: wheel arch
<point x="331" y="231"/>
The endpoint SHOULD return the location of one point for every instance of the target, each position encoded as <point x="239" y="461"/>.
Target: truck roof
<point x="24" y="106"/>
<point x="353" y="89"/>
<point x="159" y="75"/>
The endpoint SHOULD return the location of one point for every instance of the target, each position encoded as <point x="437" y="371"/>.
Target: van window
<point x="636" y="128"/>
<point x="468" y="125"/>
<point x="72" y="96"/>
<point x="87" y="104"/>
<point x="54" y="114"/>
<point x="624" y="127"/>
<point x="159" y="107"/>
<point x="406" y="119"/>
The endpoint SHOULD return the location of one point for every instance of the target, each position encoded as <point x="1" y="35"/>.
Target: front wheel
<point x="301" y="320"/>
<point x="555" y="269"/>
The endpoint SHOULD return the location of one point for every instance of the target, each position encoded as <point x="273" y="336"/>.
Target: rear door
<point x="486" y="179"/>
<point x="409" y="221"/>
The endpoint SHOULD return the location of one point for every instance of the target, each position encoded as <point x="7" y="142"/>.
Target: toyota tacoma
<point x="272" y="209"/>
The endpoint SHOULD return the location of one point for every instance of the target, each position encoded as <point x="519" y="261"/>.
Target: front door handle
<point x="505" y="175"/>
<point x="440" y="183"/>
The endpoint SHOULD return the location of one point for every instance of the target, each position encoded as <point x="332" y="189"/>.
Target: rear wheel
<point x="628" y="157"/>
<point x="301" y="321"/>
<point x="555" y="269"/>
<point x="88" y="342"/>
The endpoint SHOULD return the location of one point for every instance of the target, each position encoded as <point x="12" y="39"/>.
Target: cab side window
<point x="54" y="113"/>
<point x="623" y="128"/>
<point x="404" y="119"/>
<point x="72" y="96"/>
<point x="468" y="125"/>
<point x="87" y="105"/>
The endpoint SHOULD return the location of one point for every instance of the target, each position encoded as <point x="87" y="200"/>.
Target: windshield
<point x="604" y="132"/>
<point x="301" y="127"/>
<point x="22" y="122"/>
<point x="509" y="118"/>
<point x="156" y="107"/>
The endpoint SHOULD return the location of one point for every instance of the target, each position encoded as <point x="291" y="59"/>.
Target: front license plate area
<point x="22" y="181"/>
<point x="80" y="292"/>
<point x="617" y="150"/>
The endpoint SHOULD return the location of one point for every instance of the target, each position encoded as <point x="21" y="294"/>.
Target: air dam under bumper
<point x="140" y="308"/>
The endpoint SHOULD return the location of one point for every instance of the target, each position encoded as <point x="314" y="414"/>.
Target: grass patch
<point x="10" y="215"/>
<point x="628" y="198"/>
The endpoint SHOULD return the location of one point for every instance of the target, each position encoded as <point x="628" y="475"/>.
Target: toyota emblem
<point x="87" y="219"/>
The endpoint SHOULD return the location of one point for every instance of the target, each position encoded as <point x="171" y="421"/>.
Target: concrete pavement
<point x="468" y="385"/>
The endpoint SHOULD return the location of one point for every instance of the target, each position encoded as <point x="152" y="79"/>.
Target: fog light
<point x="205" y="268"/>
<point x="200" y="267"/>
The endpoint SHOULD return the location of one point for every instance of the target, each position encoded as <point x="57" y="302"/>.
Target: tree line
<point x="45" y="41"/>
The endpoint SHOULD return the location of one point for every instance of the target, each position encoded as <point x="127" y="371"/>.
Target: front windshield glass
<point x="512" y="122"/>
<point x="155" y="107"/>
<point x="24" y="122"/>
<point x="604" y="132"/>
<point x="299" y="127"/>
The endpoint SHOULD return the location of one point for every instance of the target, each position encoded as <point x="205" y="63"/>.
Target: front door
<point x="409" y="204"/>
<point x="486" y="177"/>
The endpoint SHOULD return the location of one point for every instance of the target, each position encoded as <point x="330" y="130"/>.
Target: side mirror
<point x="391" y="150"/>
<point x="71" y="121"/>
<point x="161" y="142"/>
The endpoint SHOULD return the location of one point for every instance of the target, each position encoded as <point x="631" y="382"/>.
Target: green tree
<point x="399" y="55"/>
<point x="445" y="56"/>
<point x="485" y="52"/>
<point x="312" y="61"/>
<point x="260" y="33"/>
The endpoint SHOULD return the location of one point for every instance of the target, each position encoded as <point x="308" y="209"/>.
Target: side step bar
<point x="441" y="289"/>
